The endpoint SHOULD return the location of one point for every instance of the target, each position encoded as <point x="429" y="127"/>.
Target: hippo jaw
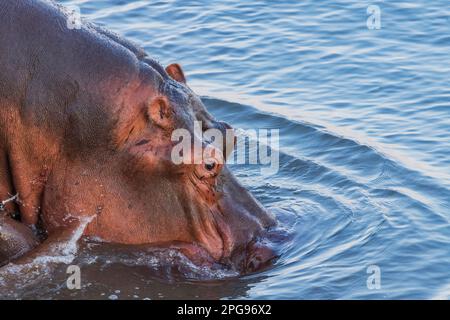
<point x="232" y="220"/>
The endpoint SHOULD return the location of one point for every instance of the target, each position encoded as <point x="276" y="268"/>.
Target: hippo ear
<point x="160" y="112"/>
<point x="176" y="73"/>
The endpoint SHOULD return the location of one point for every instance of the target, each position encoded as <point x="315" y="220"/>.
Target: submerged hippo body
<point x="85" y="131"/>
<point x="15" y="239"/>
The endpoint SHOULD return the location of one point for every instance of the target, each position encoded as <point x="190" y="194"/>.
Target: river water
<point x="364" y="124"/>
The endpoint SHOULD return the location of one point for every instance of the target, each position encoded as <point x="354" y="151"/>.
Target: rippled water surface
<point x="364" y="119"/>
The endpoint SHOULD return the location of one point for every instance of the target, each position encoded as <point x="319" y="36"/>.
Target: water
<point x="364" y="119"/>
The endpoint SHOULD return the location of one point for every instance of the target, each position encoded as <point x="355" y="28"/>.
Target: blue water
<point x="364" y="119"/>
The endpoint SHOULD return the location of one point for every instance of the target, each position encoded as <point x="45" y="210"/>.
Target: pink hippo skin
<point x="85" y="131"/>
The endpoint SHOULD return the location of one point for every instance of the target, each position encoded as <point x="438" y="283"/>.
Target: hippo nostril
<point x="254" y="264"/>
<point x="258" y="257"/>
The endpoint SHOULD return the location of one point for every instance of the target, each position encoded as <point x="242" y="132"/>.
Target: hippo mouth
<point x="233" y="226"/>
<point x="257" y="256"/>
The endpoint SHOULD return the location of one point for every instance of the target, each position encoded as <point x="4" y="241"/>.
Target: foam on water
<point x="16" y="276"/>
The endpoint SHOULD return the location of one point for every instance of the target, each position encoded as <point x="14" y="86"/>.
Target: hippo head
<point x="144" y="197"/>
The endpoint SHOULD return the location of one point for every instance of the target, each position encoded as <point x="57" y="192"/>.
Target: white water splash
<point x="22" y="275"/>
<point x="170" y="259"/>
<point x="65" y="252"/>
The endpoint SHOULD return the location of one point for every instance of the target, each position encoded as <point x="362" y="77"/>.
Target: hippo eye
<point x="210" y="166"/>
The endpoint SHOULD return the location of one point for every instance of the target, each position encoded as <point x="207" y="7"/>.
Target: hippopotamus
<point x="85" y="132"/>
<point x="15" y="239"/>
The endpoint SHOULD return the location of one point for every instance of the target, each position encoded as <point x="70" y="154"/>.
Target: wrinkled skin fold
<point x="85" y="131"/>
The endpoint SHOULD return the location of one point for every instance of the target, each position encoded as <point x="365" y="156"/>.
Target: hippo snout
<point x="255" y="257"/>
<point x="259" y="256"/>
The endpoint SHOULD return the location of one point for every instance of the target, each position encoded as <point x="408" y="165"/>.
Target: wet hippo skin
<point x="15" y="239"/>
<point x="85" y="131"/>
